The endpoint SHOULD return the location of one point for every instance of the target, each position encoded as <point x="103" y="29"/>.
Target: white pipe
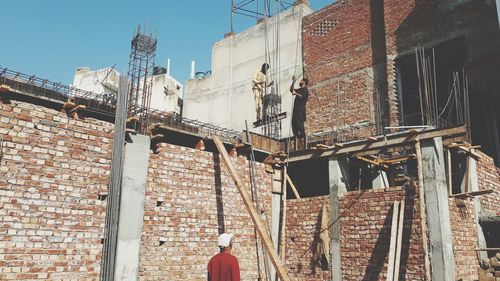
<point x="168" y="66"/>
<point x="192" y="69"/>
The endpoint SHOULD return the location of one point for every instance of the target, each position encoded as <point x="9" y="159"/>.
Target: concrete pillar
<point x="380" y="179"/>
<point x="133" y="193"/>
<point x="339" y="183"/>
<point x="437" y="209"/>
<point x="474" y="186"/>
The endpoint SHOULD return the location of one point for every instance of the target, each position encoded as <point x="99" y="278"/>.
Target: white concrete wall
<point x="225" y="98"/>
<point x="166" y="90"/>
<point x="97" y="81"/>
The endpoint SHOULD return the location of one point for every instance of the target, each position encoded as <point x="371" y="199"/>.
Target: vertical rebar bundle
<point x="140" y="71"/>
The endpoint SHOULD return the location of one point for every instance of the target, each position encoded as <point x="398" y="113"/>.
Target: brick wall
<point x="350" y="49"/>
<point x="338" y="61"/>
<point x="366" y="230"/>
<point x="302" y="236"/>
<point x="365" y="235"/>
<point x="199" y="200"/>
<point x="52" y="219"/>
<point x="52" y="170"/>
<point x="464" y="238"/>
<point x="489" y="178"/>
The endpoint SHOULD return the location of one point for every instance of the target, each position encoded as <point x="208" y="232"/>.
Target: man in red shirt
<point x="224" y="266"/>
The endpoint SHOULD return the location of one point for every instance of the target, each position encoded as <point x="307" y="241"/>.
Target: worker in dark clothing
<point x="224" y="266"/>
<point x="299" y="108"/>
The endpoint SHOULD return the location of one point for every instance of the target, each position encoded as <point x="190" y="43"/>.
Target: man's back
<point x="223" y="267"/>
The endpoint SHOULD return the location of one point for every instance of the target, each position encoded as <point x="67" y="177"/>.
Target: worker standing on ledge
<point x="299" y="109"/>
<point x="258" y="87"/>
<point x="224" y="266"/>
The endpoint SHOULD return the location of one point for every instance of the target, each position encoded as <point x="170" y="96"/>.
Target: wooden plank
<point x="283" y="218"/>
<point x="399" y="239"/>
<point x="380" y="143"/>
<point x="467" y="174"/>
<point x="487" y="249"/>
<point x="295" y="192"/>
<point x="254" y="215"/>
<point x="392" y="250"/>
<point x="398" y="159"/>
<point x="448" y="171"/>
<point x="472" y="193"/>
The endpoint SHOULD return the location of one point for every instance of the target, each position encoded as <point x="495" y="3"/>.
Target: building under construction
<point x="399" y="179"/>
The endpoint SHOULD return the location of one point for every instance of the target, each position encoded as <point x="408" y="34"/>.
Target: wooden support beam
<point x="293" y="187"/>
<point x="393" y="140"/>
<point x="373" y="162"/>
<point x="400" y="239"/>
<point x="4" y="89"/>
<point x="392" y="245"/>
<point x="472" y="193"/>
<point x="398" y="159"/>
<point x="449" y="182"/>
<point x="254" y="215"/>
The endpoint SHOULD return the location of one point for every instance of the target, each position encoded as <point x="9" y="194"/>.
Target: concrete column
<point x="339" y="183"/>
<point x="474" y="186"/>
<point x="133" y="193"/>
<point x="437" y="209"/>
<point x="380" y="179"/>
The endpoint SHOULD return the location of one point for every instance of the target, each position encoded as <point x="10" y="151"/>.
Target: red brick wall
<point x="302" y="236"/>
<point x="197" y="202"/>
<point x="365" y="235"/>
<point x="489" y="178"/>
<point x="366" y="230"/>
<point x="464" y="238"/>
<point x="52" y="170"/>
<point x="338" y="45"/>
<point x="337" y="60"/>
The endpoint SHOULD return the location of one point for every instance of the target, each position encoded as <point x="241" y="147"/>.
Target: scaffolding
<point x="140" y="71"/>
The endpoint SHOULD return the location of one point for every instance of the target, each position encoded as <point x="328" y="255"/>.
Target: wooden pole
<point x="294" y="189"/>
<point x="283" y="218"/>
<point x="261" y="229"/>
<point x="394" y="233"/>
<point x="423" y="216"/>
<point x="399" y="239"/>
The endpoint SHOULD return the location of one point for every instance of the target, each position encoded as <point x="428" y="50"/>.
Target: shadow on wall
<point x="381" y="250"/>
<point x="379" y="58"/>
<point x="218" y="194"/>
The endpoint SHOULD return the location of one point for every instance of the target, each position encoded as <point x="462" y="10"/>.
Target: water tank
<point x="158" y="70"/>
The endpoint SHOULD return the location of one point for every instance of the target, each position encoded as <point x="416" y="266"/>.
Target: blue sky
<point x="51" y="38"/>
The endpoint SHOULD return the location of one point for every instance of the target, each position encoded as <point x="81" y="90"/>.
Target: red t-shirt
<point x="223" y="267"/>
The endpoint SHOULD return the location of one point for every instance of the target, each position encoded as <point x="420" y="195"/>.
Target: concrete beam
<point x="133" y="195"/>
<point x="437" y="209"/>
<point x="339" y="183"/>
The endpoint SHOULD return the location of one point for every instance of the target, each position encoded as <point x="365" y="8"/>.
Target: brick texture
<point x="464" y="238"/>
<point x="302" y="236"/>
<point x="51" y="173"/>
<point x="365" y="223"/>
<point x="350" y="48"/>
<point x="198" y="200"/>
<point x="489" y="178"/>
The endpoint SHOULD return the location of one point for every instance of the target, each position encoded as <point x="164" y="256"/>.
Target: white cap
<point x="225" y="239"/>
